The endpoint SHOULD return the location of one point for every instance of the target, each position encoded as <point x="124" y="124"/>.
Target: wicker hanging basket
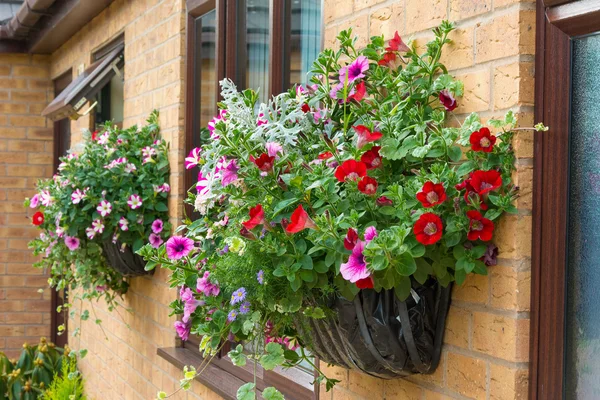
<point x="124" y="260"/>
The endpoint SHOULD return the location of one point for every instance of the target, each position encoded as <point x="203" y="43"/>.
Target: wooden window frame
<point x="558" y="22"/>
<point x="221" y="375"/>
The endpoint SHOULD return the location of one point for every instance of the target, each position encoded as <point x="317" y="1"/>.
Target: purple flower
<point x="273" y="149"/>
<point x="155" y="240"/>
<point x="245" y="307"/>
<point x="157" y="226"/>
<point x="193" y="158"/>
<point x="490" y="257"/>
<point x="72" y="242"/>
<point x="356" y="268"/>
<point x="232" y="316"/>
<point x="179" y="247"/>
<point x="355" y="70"/>
<point x="35" y="201"/>
<point x="260" y="277"/>
<point x="370" y="233"/>
<point x="238" y="296"/>
<point x="225" y="250"/>
<point x="229" y="173"/>
<point x="183" y="329"/>
<point x="204" y="285"/>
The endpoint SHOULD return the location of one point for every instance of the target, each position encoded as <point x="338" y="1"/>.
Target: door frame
<point x="558" y="21"/>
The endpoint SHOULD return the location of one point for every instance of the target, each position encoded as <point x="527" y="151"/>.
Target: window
<point x="109" y="100"/>
<point x="268" y="46"/>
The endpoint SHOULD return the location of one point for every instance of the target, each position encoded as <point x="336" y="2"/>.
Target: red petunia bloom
<point x="447" y="100"/>
<point x="471" y="196"/>
<point x="365" y="135"/>
<point x="484" y="182"/>
<point x="367" y="185"/>
<point x="325" y="156"/>
<point x="479" y="227"/>
<point x="94" y="135"/>
<point x="350" y="169"/>
<point x="361" y="90"/>
<point x="350" y="239"/>
<point x="388" y="59"/>
<point x="432" y="194"/>
<point x="371" y="158"/>
<point x="300" y="221"/>
<point x="428" y="229"/>
<point x="257" y="217"/>
<point x="264" y="162"/>
<point x="305" y="107"/>
<point x="482" y="140"/>
<point x="384" y="201"/>
<point x="396" y="44"/>
<point x="38" y="218"/>
<point x="366" y="283"/>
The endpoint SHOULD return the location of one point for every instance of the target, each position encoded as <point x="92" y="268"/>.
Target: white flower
<point x="46" y="199"/>
<point x="134" y="201"/>
<point x="103" y="139"/>
<point x="129" y="168"/>
<point x="104" y="208"/>
<point x="124" y="224"/>
<point x="90" y="233"/>
<point x="97" y="226"/>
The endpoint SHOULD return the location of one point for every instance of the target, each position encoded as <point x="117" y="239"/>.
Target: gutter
<point x="25" y="19"/>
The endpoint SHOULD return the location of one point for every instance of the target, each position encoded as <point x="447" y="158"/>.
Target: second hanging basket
<point x="124" y="260"/>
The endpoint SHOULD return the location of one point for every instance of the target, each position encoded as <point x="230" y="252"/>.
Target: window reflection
<point x="257" y="46"/>
<point x="305" y="38"/>
<point x="206" y="67"/>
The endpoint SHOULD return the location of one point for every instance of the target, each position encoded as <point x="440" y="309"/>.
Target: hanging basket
<point x="382" y="336"/>
<point x="124" y="261"/>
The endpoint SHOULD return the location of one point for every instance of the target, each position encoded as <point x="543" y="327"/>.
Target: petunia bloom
<point x="193" y="159"/>
<point x="229" y="173"/>
<point x="134" y="201"/>
<point x="38" y="218"/>
<point x="482" y="140"/>
<point x="98" y="226"/>
<point x="90" y="233"/>
<point x="355" y="70"/>
<point x="371" y="158"/>
<point x="205" y="286"/>
<point x="212" y="124"/>
<point x="366" y="283"/>
<point x="384" y="201"/>
<point x="300" y="221"/>
<point x="365" y="135"/>
<point x="264" y="162"/>
<point x="35" y="201"/>
<point x="356" y="268"/>
<point x="273" y="149"/>
<point x="447" y="100"/>
<point x="428" y="229"/>
<point x="367" y="185"/>
<point x="155" y="240"/>
<point x="387" y="59"/>
<point x="350" y="239"/>
<point x="396" y="44"/>
<point x="484" y="182"/>
<point x="104" y="208"/>
<point x="157" y="226"/>
<point x="179" y="247"/>
<point x="479" y="227"/>
<point x="350" y="169"/>
<point x="431" y="194"/>
<point x="370" y="233"/>
<point x="257" y="217"/>
<point x="72" y="243"/>
<point x="238" y="296"/>
<point x="361" y="90"/>
<point x="183" y="329"/>
<point x="77" y="196"/>
<point x="124" y="224"/>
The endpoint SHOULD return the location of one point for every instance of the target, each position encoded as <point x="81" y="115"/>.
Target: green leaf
<point x="493" y="213"/>
<point x="460" y="276"/>
<point x="452" y="239"/>
<point x="454" y="153"/>
<point x="320" y="267"/>
<point x="307" y="262"/>
<point x="271" y="393"/>
<point x="387" y="210"/>
<point x="480" y="268"/>
<point x="273" y="357"/>
<point x="283" y="204"/>
<point x="423" y="271"/>
<point x="379" y="262"/>
<point x="238" y="358"/>
<point x="246" y="392"/>
<point x="307" y="276"/>
<point x="219" y="318"/>
<point x="466" y="168"/>
<point x="402" y="289"/>
<point x="478" y="251"/>
<point x="301" y="246"/>
<point x="405" y="264"/>
<point x="162" y="207"/>
<point x="439" y="269"/>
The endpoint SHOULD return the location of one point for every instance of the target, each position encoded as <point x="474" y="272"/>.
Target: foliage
<point x="28" y="377"/>
<point x="357" y="181"/>
<point x="94" y="199"/>
<point x="68" y="384"/>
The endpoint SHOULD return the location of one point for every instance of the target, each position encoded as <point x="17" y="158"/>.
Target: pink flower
<point x="104" y="208"/>
<point x="97" y="226"/>
<point x="148" y="152"/>
<point x="157" y="226"/>
<point x="179" y="247"/>
<point x="273" y="149"/>
<point x="124" y="224"/>
<point x="193" y="158"/>
<point x="212" y="124"/>
<point x="134" y="201"/>
<point x="129" y="168"/>
<point x="204" y="285"/>
<point x="72" y="242"/>
<point x="356" y="268"/>
<point x="103" y="139"/>
<point x="101" y="288"/>
<point x="77" y="196"/>
<point x="189" y="303"/>
<point x="46" y="199"/>
<point x="35" y="201"/>
<point x="370" y="233"/>
<point x="229" y="173"/>
<point x="155" y="240"/>
<point x="355" y="70"/>
<point x="183" y="329"/>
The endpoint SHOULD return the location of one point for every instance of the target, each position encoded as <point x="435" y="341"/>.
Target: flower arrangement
<point x="114" y="192"/>
<point x="356" y="182"/>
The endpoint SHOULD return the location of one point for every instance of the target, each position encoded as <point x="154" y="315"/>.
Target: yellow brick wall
<point x="486" y="347"/>
<point x="25" y="157"/>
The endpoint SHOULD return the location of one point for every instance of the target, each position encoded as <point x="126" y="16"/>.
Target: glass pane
<point x="305" y="38"/>
<point x="206" y="79"/>
<point x="257" y="46"/>
<point x="583" y="270"/>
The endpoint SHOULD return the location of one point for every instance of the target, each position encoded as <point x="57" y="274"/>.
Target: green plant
<point x="28" y="377"/>
<point x="66" y="385"/>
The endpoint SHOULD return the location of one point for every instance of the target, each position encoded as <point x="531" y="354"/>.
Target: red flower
<point x="300" y="221"/>
<point x="350" y="239"/>
<point x="38" y="218"/>
<point x="432" y="194"/>
<point x="428" y="229"/>
<point x="479" y="227"/>
<point x="257" y="217"/>
<point x="384" y="201"/>
<point x="264" y="162"/>
<point x="305" y="108"/>
<point x="365" y="135"/>
<point x="366" y="283"/>
<point x="471" y="196"/>
<point x="482" y="140"/>
<point x="94" y="135"/>
<point x="371" y="158"/>
<point x="350" y="169"/>
<point x="361" y="90"/>
<point x="367" y="185"/>
<point x="483" y="182"/>
<point x="325" y="156"/>
<point x="396" y="44"/>
<point x="447" y="100"/>
<point x="388" y="59"/>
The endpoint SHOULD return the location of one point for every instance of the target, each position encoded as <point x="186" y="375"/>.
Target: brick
<point x="458" y="327"/>
<point x="360" y="28"/>
<point x="399" y="389"/>
<point x="338" y="373"/>
<point x="466" y="375"/>
<point x="31" y="96"/>
<point x="511" y="289"/>
<point x="463" y="9"/>
<point x="362" y="4"/>
<point x="424" y="14"/>
<point x="459" y="53"/>
<point x="7" y="331"/>
<point x="40" y="158"/>
<point x="477" y="92"/>
<point x="27" y="120"/>
<point x="508" y="383"/>
<point x="386" y="21"/>
<point x="513" y="236"/>
<point x="501" y="336"/>
<point x="365" y="385"/>
<point x="25" y="170"/>
<point x="11" y="182"/>
<point x="23" y="318"/>
<point x="523" y="178"/>
<point x="12" y="133"/>
<point x="23" y="294"/>
<point x="5" y="70"/>
<point x="14" y="305"/>
<point x="513" y="85"/>
<point x="506" y="35"/>
<point x="474" y="289"/>
<point x="30" y="71"/>
<point x="11" y="83"/>
<point x="11" y="108"/>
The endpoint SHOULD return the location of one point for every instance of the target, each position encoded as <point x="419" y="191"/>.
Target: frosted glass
<point x="583" y="267"/>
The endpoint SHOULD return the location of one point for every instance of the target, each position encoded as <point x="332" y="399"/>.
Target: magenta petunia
<point x="370" y="233"/>
<point x="157" y="226"/>
<point x="356" y="268"/>
<point x="155" y="240"/>
<point x="356" y="70"/>
<point x="134" y="201"/>
<point x="179" y="247"/>
<point x="183" y="329"/>
<point x="204" y="285"/>
<point x="35" y="201"/>
<point x="193" y="158"/>
<point x="72" y="242"/>
<point x="273" y="149"/>
<point x="229" y="173"/>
